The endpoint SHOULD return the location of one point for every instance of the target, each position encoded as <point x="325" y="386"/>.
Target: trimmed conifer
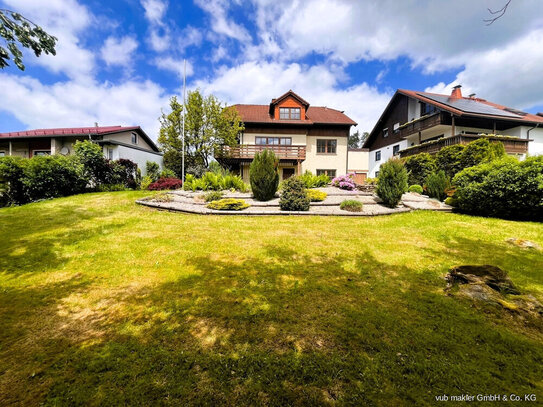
<point x="392" y="182"/>
<point x="264" y="176"/>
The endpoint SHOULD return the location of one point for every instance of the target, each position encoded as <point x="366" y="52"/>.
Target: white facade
<point x="140" y="157"/>
<point x="385" y="153"/>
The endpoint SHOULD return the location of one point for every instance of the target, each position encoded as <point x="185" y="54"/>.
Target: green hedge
<point x="505" y="188"/>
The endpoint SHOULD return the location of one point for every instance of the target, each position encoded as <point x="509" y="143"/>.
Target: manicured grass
<point x="103" y="302"/>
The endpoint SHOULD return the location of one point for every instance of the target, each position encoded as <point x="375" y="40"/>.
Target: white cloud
<point x="65" y="19"/>
<point x="510" y="75"/>
<point x="173" y="65"/>
<point x="259" y="82"/>
<point x="434" y="35"/>
<point x="154" y="10"/>
<point x="119" y="51"/>
<point x="220" y="24"/>
<point x="73" y="103"/>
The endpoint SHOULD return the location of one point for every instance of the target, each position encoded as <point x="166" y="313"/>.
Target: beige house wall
<point x="315" y="161"/>
<point x="358" y="161"/>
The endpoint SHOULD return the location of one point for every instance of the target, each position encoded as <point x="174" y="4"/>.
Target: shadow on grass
<point x="283" y="328"/>
<point x="32" y="244"/>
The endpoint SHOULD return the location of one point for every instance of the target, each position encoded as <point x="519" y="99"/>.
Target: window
<point x="110" y="153"/>
<point x="41" y="152"/>
<point x="426" y="109"/>
<point x="376" y="174"/>
<point x="377" y="156"/>
<point x="2" y="153"/>
<point x="326" y="146"/>
<point x="330" y="173"/>
<point x="396" y="127"/>
<point x="385" y="132"/>
<point x="273" y="141"/>
<point x="289" y="113"/>
<point x="396" y="149"/>
<point x="134" y="138"/>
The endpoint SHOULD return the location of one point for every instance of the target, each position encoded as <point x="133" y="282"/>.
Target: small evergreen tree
<point x="152" y="170"/>
<point x="294" y="196"/>
<point x="392" y="182"/>
<point x="264" y="176"/>
<point x="448" y="159"/>
<point x="436" y="184"/>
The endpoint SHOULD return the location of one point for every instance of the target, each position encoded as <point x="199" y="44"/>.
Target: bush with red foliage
<point x="166" y="183"/>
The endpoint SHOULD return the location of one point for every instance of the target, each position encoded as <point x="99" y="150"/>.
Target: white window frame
<point x="110" y="153"/>
<point x="2" y="153"/>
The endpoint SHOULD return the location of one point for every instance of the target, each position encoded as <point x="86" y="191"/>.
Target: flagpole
<point x="184" y="108"/>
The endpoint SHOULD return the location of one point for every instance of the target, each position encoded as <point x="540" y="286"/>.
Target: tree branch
<point x="499" y="13"/>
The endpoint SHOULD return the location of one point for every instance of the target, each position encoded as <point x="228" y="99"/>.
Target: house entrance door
<point x="288" y="172"/>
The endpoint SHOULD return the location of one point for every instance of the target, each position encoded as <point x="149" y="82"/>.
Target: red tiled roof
<point x="79" y="131"/>
<point x="528" y="117"/>
<point x="69" y="131"/>
<point x="314" y="115"/>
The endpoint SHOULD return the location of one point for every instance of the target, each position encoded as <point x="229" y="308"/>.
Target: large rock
<point x="492" y="276"/>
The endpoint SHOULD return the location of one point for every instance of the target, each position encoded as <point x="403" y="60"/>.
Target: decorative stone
<point x="492" y="276"/>
<point x="523" y="243"/>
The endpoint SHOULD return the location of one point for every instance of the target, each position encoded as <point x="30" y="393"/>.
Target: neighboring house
<point x="130" y="143"/>
<point x="415" y="122"/>
<point x="304" y="138"/>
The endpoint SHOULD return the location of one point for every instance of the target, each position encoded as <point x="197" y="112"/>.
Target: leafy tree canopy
<point x="356" y="140"/>
<point x="208" y="126"/>
<point x="17" y="30"/>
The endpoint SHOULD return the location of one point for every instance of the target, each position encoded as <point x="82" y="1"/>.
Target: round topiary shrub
<point x="294" y="196"/>
<point x="264" y="176"/>
<point x="351" y="205"/>
<point x="416" y="189"/>
<point x="392" y="182"/>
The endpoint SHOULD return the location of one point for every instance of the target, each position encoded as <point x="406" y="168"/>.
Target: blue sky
<point x="118" y="62"/>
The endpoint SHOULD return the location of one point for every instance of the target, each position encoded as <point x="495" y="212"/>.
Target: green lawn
<point x="103" y="302"/>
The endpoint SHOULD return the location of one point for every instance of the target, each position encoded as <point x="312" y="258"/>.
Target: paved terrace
<point x="192" y="202"/>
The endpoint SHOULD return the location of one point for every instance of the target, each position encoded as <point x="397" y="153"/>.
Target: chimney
<point x="472" y="96"/>
<point x="456" y="92"/>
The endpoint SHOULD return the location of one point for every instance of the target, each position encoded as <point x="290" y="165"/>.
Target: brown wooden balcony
<point x="423" y="123"/>
<point x="246" y="152"/>
<point x="513" y="145"/>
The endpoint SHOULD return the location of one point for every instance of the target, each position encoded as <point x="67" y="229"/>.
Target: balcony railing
<point x="421" y="124"/>
<point x="512" y="145"/>
<point x="248" y="151"/>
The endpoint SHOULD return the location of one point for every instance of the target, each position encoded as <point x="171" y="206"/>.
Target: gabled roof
<point x="464" y="106"/>
<point x="78" y="131"/>
<point x="314" y="115"/>
<point x="475" y="107"/>
<point x="291" y="94"/>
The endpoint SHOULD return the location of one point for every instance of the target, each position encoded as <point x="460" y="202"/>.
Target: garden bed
<point x="193" y="202"/>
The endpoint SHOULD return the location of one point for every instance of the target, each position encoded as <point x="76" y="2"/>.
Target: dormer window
<point x="289" y="113"/>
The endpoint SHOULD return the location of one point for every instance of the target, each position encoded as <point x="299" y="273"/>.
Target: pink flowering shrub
<point x="344" y="182"/>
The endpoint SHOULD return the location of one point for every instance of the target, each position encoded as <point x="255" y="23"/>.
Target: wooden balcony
<point x="246" y="152"/>
<point x="423" y="123"/>
<point x="512" y="145"/>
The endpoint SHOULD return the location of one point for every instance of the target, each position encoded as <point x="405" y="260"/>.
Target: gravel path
<point x="192" y="202"/>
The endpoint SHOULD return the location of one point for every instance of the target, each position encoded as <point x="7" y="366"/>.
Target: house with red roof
<point x="303" y="137"/>
<point x="416" y="122"/>
<point x="130" y="143"/>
